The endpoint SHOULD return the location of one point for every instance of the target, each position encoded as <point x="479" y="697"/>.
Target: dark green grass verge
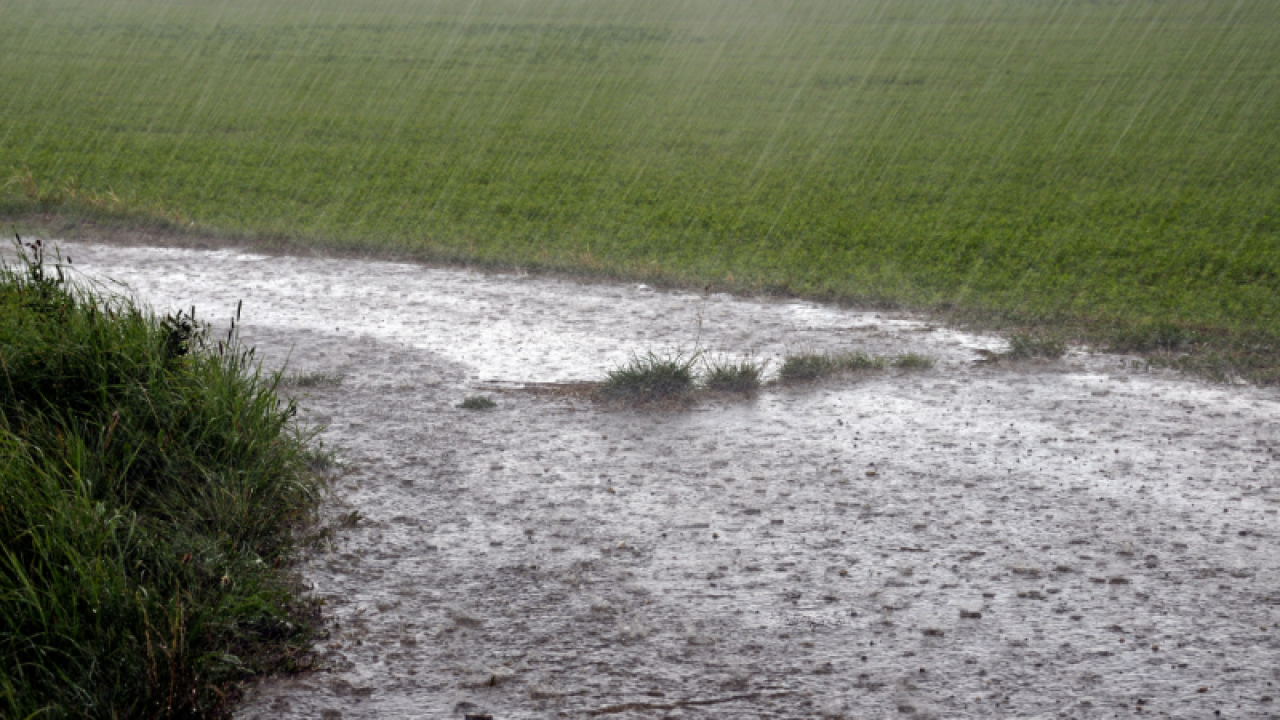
<point x="1109" y="169"/>
<point x="151" y="488"/>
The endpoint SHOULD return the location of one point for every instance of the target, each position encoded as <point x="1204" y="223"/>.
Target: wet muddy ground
<point x="1080" y="538"/>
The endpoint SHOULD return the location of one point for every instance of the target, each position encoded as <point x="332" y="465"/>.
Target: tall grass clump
<point x="652" y="378"/>
<point x="732" y="376"/>
<point x="812" y="366"/>
<point x="912" y="361"/>
<point x="478" y="402"/>
<point x="153" y="484"/>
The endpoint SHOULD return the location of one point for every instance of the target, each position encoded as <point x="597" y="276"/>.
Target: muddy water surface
<point x="1072" y="539"/>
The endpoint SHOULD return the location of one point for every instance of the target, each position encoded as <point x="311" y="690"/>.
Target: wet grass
<point x="679" y="379"/>
<point x="812" y="366"/>
<point x="721" y="374"/>
<point x="652" y="378"/>
<point x="153" y="487"/>
<point x="911" y="361"/>
<point x="1027" y="345"/>
<point x="477" y="402"/>
<point x="1107" y="170"/>
<point x="809" y="366"/>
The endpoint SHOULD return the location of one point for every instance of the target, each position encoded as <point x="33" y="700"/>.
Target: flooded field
<point x="1078" y="538"/>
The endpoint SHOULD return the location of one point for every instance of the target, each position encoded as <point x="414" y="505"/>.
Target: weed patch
<point x="477" y="402"/>
<point x="725" y="375"/>
<point x="813" y="366"/>
<point x="651" y="378"/>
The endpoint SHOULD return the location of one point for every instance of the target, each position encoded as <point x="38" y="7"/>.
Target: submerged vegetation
<point x="151" y="488"/>
<point x="1108" y="169"/>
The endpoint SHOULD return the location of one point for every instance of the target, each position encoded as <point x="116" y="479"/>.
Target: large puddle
<point x="1080" y="538"/>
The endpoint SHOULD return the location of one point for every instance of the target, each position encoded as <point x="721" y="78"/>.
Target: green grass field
<point x="1106" y="164"/>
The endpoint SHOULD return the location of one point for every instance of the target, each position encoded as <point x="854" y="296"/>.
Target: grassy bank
<point x="1110" y="168"/>
<point x="151" y="485"/>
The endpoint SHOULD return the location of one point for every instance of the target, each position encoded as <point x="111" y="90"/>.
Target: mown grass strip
<point x="152" y="485"/>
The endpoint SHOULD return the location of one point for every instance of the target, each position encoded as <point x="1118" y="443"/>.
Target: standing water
<point x="1074" y="538"/>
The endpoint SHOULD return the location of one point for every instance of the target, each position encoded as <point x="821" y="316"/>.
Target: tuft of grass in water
<point x="477" y="402"/>
<point x="153" y="486"/>
<point x="812" y="366"/>
<point x="732" y="376"/>
<point x="911" y="361"/>
<point x="652" y="378"/>
<point x="1026" y="345"/>
<point x="806" y="366"/>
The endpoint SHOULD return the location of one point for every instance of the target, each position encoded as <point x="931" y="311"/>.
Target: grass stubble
<point x="153" y="494"/>
<point x="1104" y="173"/>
